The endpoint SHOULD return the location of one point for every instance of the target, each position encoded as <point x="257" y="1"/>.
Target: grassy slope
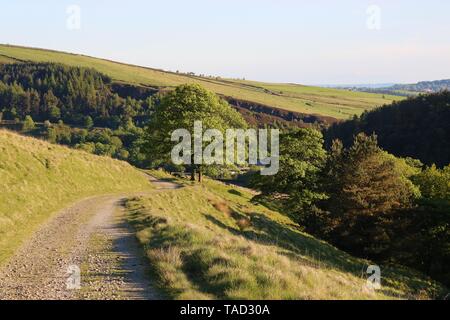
<point x="198" y="250"/>
<point x="312" y="100"/>
<point x="38" y="178"/>
<point x="4" y="59"/>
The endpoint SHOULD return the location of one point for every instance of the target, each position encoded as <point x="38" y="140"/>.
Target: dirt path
<point x="91" y="237"/>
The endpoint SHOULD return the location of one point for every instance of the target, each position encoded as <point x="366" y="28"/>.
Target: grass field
<point x="37" y="179"/>
<point x="4" y="59"/>
<point x="336" y="103"/>
<point x="210" y="242"/>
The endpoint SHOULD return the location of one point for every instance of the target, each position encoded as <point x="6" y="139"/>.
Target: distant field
<point x="210" y="242"/>
<point x="336" y="103"/>
<point x="37" y="179"/>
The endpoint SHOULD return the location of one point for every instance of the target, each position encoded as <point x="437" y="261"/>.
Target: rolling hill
<point x="405" y="90"/>
<point x="339" y="104"/>
<point x="37" y="179"/>
<point x="423" y="86"/>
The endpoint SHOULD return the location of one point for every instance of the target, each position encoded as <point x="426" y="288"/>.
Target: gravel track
<point x="91" y="235"/>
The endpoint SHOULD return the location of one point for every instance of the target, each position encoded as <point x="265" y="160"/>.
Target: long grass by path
<point x="38" y="178"/>
<point x="210" y="242"/>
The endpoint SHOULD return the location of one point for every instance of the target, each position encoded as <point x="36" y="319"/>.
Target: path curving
<point x="93" y="236"/>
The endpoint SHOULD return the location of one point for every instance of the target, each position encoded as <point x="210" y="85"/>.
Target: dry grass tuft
<point x="223" y="207"/>
<point x="244" y="223"/>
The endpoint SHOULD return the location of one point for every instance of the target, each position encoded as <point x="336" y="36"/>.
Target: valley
<point x="86" y="183"/>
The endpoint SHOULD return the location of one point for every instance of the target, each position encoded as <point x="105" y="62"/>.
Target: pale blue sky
<point x="309" y="42"/>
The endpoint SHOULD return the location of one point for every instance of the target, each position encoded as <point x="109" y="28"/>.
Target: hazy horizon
<point x="321" y="43"/>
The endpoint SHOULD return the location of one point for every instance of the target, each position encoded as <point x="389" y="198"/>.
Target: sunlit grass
<point x="200" y="248"/>
<point x="5" y="60"/>
<point x="37" y="179"/>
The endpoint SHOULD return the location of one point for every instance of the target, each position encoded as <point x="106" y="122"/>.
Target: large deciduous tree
<point x="179" y="109"/>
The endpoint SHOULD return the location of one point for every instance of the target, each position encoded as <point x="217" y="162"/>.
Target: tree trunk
<point x="193" y="174"/>
<point x="200" y="176"/>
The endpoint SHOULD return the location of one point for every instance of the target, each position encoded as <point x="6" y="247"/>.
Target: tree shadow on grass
<point x="235" y="192"/>
<point x="319" y="254"/>
<point x="196" y="266"/>
<point x="269" y="232"/>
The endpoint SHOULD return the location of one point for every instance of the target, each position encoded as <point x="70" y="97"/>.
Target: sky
<point x="296" y="41"/>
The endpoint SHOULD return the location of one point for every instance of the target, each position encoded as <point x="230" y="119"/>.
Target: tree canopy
<point x="180" y="109"/>
<point x="297" y="185"/>
<point x="48" y="91"/>
<point x="417" y="127"/>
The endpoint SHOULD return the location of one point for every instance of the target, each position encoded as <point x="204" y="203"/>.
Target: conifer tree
<point x="366" y="188"/>
<point x="28" y="124"/>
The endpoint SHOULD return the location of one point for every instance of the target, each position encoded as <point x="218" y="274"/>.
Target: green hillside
<point x="210" y="242"/>
<point x="339" y="104"/>
<point x="37" y="179"/>
<point x="204" y="241"/>
<point x="4" y="60"/>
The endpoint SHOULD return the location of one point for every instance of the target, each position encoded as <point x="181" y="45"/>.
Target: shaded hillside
<point x="417" y="127"/>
